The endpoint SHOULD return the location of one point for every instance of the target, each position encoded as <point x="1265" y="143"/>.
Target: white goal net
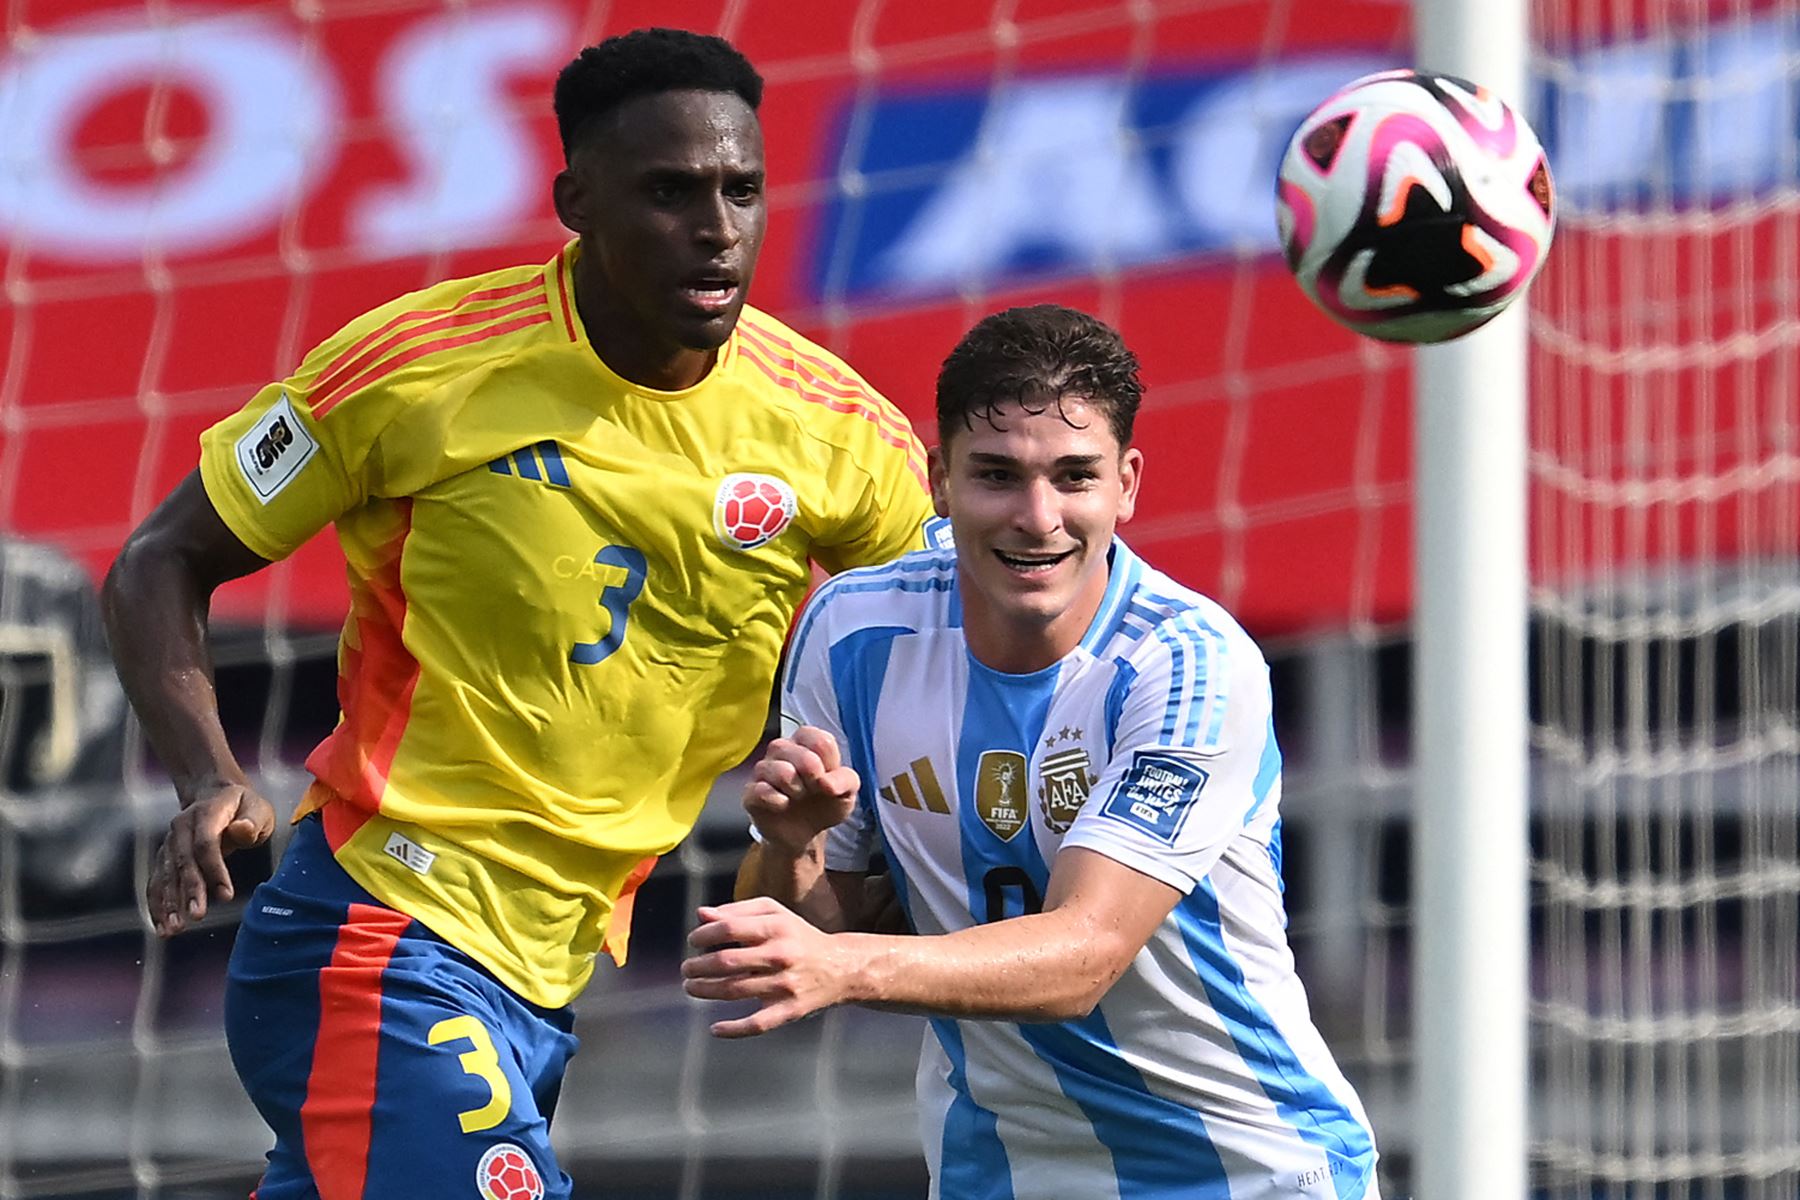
<point x="194" y="194"/>
<point x="1665" y="538"/>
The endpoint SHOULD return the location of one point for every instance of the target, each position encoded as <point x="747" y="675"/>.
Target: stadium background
<point x="194" y="194"/>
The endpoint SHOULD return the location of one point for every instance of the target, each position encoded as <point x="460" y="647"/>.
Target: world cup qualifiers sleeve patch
<point x="1156" y="794"/>
<point x="936" y="532"/>
<point x="274" y="449"/>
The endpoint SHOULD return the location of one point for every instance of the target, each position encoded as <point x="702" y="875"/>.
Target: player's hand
<point x="882" y="911"/>
<point x="799" y="789"/>
<point x="758" y="950"/>
<point x="190" y="867"/>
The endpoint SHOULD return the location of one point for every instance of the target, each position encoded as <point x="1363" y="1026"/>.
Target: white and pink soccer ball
<point x="1414" y="207"/>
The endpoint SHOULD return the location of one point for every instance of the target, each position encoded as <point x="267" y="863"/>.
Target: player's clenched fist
<point x="800" y="788"/>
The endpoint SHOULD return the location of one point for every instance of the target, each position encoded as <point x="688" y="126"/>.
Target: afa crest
<point x="1063" y="782"/>
<point x="1064" y="778"/>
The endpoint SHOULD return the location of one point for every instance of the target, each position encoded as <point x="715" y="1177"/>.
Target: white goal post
<point x="1470" y="848"/>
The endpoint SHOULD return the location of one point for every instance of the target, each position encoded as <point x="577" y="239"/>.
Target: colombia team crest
<point x="749" y="510"/>
<point x="506" y="1172"/>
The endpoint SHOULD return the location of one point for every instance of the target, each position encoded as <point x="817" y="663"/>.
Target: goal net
<point x="193" y="195"/>
<point x="1666" y="387"/>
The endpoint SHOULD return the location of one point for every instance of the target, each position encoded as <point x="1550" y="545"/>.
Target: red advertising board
<point x="198" y="194"/>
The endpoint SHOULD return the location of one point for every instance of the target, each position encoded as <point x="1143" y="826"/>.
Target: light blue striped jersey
<point x="1200" y="1074"/>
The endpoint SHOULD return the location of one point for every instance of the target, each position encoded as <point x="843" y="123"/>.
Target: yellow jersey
<point x="569" y="592"/>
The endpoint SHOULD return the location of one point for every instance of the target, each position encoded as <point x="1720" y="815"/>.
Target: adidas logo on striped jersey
<point x="542" y="462"/>
<point x="917" y="788"/>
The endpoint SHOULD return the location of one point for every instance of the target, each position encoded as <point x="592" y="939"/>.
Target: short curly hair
<point x="644" y="62"/>
<point x="1036" y="357"/>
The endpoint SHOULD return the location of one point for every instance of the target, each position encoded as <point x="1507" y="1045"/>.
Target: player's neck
<point x="1019" y="644"/>
<point x="619" y="341"/>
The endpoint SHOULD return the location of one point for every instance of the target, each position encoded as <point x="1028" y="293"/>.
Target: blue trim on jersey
<point x="526" y="462"/>
<point x="809" y="620"/>
<point x="858" y="664"/>
<point x="1219" y="676"/>
<point x="499" y="466"/>
<point x="973" y="1161"/>
<point x="1124" y="677"/>
<point x="1180" y="688"/>
<point x="897" y="585"/>
<point x="866" y="579"/>
<point x="1206" y="673"/>
<point x="913" y="561"/>
<point x="1303" y="1101"/>
<point x="1141" y="609"/>
<point x="1141" y="613"/>
<point x="1000" y="712"/>
<point x="973" y="1154"/>
<point x="1160" y="1148"/>
<point x="1267" y="772"/>
<point x="1123" y="572"/>
<point x="553" y="463"/>
<point x="896" y="870"/>
<point x="1275" y="862"/>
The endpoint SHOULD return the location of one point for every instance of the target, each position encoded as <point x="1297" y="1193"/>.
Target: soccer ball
<point x="1414" y="207"/>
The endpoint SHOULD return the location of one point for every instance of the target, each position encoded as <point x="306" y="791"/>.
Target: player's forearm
<point x="1050" y="966"/>
<point x="155" y="611"/>
<point x="796" y="880"/>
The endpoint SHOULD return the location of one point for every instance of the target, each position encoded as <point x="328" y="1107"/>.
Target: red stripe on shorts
<point x="337" y="1116"/>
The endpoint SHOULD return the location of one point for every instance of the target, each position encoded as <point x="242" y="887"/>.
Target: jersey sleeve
<point x="809" y="697"/>
<point x="1194" y="760"/>
<point x="892" y="511"/>
<point x="301" y="454"/>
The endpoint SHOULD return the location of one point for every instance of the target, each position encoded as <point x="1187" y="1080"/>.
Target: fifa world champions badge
<point x="751" y="510"/>
<point x="506" y="1172"/>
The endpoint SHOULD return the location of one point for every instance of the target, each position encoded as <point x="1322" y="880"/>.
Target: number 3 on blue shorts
<point x="482" y="1062"/>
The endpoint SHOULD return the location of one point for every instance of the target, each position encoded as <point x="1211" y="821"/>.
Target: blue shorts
<point x="387" y="1061"/>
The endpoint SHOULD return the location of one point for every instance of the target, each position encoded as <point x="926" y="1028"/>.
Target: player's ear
<point x="571" y="200"/>
<point x="940" y="499"/>
<point x="1131" y="474"/>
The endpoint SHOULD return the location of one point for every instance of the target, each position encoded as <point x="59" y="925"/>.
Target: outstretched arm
<point x="1048" y="966"/>
<point x="155" y="602"/>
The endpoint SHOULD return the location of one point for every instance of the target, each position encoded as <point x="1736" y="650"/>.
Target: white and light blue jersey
<point x="1200" y="1075"/>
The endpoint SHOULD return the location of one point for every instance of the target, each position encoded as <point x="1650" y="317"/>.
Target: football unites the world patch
<point x="1156" y="794"/>
<point x="506" y="1172"/>
<point x="749" y="510"/>
<point x="937" y="533"/>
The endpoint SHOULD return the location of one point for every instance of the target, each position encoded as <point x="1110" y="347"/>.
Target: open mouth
<point x="713" y="293"/>
<point x="1031" y="564"/>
